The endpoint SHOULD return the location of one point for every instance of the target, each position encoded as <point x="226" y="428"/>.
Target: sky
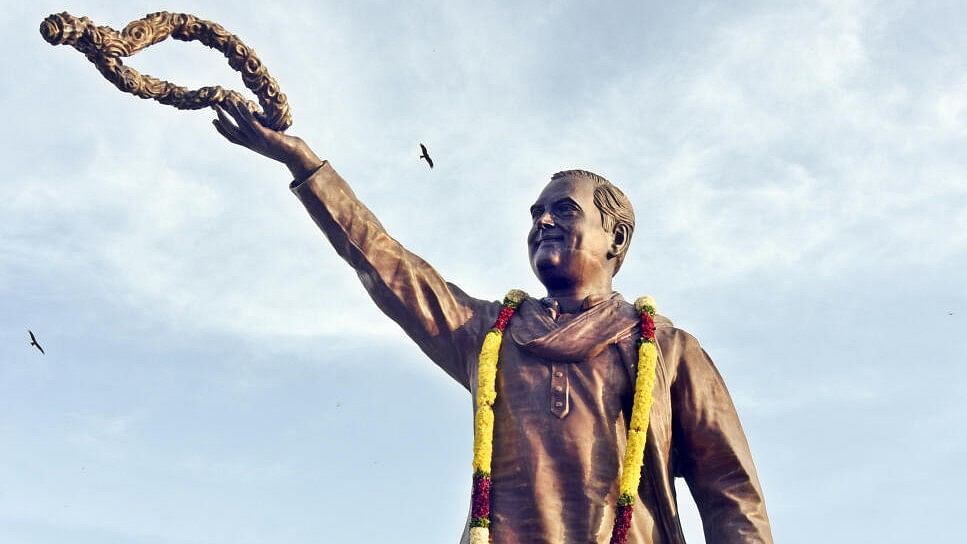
<point x="216" y="374"/>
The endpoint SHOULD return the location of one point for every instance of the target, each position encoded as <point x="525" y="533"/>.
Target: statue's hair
<point x="614" y="206"/>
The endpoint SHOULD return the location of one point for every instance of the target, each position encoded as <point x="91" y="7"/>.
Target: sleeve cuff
<point x="296" y="183"/>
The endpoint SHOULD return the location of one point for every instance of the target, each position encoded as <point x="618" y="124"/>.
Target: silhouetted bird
<point x="426" y="155"/>
<point x="33" y="342"/>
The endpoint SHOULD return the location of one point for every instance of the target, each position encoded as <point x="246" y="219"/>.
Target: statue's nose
<point x="545" y="220"/>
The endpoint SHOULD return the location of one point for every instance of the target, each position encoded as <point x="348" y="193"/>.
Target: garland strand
<point x="483" y="422"/>
<point x="638" y="429"/>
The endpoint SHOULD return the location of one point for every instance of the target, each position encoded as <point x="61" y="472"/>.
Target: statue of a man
<point x="566" y="369"/>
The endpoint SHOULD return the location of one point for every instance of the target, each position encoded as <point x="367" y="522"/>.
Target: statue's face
<point x="567" y="241"/>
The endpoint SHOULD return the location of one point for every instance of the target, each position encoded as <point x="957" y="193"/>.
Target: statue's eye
<point x="567" y="209"/>
<point x="536" y="212"/>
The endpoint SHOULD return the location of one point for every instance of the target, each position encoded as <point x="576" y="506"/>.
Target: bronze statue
<point x="568" y="367"/>
<point x="567" y="371"/>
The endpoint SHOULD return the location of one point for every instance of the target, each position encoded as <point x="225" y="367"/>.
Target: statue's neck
<point x="571" y="298"/>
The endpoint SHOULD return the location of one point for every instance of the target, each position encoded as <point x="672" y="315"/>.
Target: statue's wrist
<point x="304" y="165"/>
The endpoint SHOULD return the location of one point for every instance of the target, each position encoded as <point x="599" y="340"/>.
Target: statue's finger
<point x="227" y="123"/>
<point x="222" y="116"/>
<point x="244" y="121"/>
<point x="229" y="134"/>
<point x="230" y="108"/>
<point x="253" y="121"/>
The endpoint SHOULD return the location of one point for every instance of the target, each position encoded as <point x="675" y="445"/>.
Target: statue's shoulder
<point x="661" y="321"/>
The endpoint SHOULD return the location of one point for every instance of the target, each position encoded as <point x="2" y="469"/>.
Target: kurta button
<point x="558" y="374"/>
<point x="558" y="388"/>
<point x="558" y="404"/>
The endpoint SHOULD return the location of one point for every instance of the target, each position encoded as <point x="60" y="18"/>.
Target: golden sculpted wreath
<point x="105" y="47"/>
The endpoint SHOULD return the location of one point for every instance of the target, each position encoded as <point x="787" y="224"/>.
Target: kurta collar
<point x="604" y="320"/>
<point x="554" y="307"/>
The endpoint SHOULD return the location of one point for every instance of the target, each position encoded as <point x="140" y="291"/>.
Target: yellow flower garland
<point x="483" y="436"/>
<point x="640" y="412"/>
<point x="483" y="419"/>
<point x="483" y="423"/>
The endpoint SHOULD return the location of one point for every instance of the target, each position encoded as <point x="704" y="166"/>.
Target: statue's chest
<point x="591" y="391"/>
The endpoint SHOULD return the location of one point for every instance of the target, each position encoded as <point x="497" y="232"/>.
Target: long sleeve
<point x="713" y="454"/>
<point x="437" y="315"/>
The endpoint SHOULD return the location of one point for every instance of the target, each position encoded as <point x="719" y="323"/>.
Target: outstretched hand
<point x="247" y="132"/>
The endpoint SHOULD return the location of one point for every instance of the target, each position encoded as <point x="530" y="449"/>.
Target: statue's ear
<point x="620" y="239"/>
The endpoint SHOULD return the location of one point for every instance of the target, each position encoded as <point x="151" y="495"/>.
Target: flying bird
<point x="426" y="155"/>
<point x="33" y="342"/>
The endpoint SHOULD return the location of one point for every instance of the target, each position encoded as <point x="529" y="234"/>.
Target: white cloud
<point x="777" y="143"/>
<point x="103" y="436"/>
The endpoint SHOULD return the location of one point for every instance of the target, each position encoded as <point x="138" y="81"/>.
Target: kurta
<point x="564" y="393"/>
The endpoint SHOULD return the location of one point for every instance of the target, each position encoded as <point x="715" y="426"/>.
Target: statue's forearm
<point x="352" y="229"/>
<point x="432" y="312"/>
<point x="714" y="454"/>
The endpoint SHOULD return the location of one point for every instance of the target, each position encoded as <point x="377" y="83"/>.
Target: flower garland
<point x="483" y="424"/>
<point x="638" y="428"/>
<point x="483" y="420"/>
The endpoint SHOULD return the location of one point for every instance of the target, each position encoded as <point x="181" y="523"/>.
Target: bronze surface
<point x="564" y="397"/>
<point x="564" y="391"/>
<point x="105" y="47"/>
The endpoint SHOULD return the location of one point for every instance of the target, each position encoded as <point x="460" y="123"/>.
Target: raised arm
<point x="713" y="454"/>
<point x="438" y="316"/>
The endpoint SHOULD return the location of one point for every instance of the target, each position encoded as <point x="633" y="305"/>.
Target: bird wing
<point x="429" y="161"/>
<point x="32" y="337"/>
<point x="423" y="149"/>
<point x="41" y="349"/>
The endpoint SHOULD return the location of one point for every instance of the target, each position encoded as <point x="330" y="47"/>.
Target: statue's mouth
<point x="548" y="238"/>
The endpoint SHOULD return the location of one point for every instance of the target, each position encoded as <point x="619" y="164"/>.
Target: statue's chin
<point x="545" y="263"/>
<point x="552" y="274"/>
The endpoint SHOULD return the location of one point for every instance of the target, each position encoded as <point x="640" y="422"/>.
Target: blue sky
<point x="214" y="373"/>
